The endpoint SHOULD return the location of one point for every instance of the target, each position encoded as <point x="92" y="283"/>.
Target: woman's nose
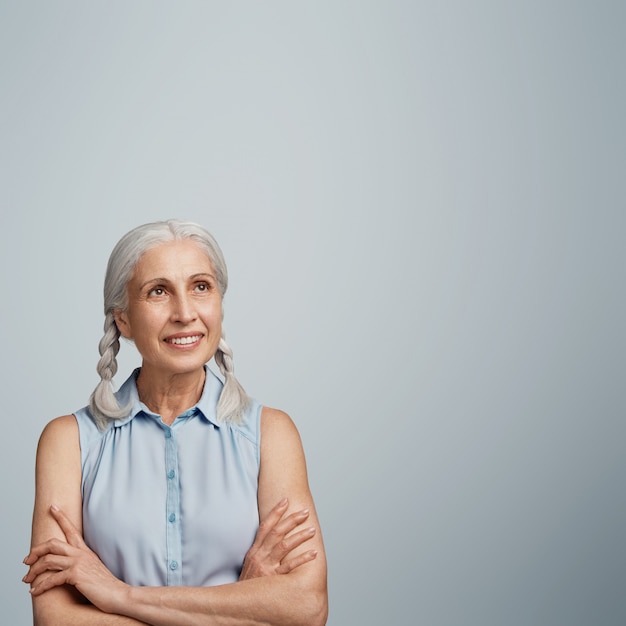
<point x="183" y="310"/>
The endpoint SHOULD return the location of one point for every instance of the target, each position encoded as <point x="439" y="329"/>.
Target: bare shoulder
<point x="59" y="448"/>
<point x="61" y="430"/>
<point x="277" y="424"/>
<point x="59" y="439"/>
<point x="280" y="439"/>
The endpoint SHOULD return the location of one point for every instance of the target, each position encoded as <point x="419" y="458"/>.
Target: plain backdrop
<point x="422" y="206"/>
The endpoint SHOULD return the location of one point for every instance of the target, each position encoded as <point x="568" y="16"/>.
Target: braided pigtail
<point x="103" y="403"/>
<point x="233" y="399"/>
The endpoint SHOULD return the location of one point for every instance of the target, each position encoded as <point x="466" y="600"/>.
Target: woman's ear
<point x="122" y="323"/>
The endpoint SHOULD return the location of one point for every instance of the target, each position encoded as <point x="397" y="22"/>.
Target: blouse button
<point x="171" y="474"/>
<point x="173" y="565"/>
<point x="172" y="517"/>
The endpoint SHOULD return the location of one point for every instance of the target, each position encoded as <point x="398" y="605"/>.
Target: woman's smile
<point x="184" y="340"/>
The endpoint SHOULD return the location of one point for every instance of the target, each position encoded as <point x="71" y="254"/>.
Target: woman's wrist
<point x="120" y="600"/>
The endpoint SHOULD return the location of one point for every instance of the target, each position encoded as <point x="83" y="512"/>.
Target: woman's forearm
<point x="64" y="605"/>
<point x="287" y="600"/>
<point x="82" y="615"/>
<point x="279" y="600"/>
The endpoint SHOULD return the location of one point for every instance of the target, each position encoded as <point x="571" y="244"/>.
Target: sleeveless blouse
<point x="171" y="505"/>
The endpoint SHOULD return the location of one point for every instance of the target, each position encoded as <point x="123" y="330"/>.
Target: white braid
<point x="233" y="399"/>
<point x="103" y="403"/>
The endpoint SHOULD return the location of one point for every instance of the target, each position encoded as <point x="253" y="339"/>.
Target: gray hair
<point x="125" y="256"/>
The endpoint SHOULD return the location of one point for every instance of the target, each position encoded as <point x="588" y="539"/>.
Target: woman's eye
<point x="156" y="291"/>
<point x="202" y="287"/>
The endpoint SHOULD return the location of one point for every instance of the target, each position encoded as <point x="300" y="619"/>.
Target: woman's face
<point x="174" y="312"/>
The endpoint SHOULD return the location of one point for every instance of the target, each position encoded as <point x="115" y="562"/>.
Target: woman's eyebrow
<point x="202" y="275"/>
<point x="152" y="280"/>
<point x="166" y="280"/>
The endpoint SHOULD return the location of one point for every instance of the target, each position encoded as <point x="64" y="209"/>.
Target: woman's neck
<point x="169" y="395"/>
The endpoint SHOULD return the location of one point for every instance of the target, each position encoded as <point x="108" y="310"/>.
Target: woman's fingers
<point x="54" y="555"/>
<point x="276" y="538"/>
<point x="50" y="562"/>
<point x="290" y="564"/>
<point x="57" y="546"/>
<point x="54" y="580"/>
<point x="56" y="562"/>
<point x="282" y="528"/>
<point x="72" y="534"/>
<point x="286" y="545"/>
<point x="275" y="526"/>
<point x="269" y="523"/>
<point x="52" y="546"/>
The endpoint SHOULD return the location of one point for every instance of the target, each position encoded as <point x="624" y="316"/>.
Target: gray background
<point x="422" y="208"/>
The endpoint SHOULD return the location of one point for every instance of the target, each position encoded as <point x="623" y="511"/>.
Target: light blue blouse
<point x="171" y="505"/>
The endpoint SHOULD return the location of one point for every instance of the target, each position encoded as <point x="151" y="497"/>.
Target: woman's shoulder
<point x="277" y="427"/>
<point x="60" y="427"/>
<point x="59" y="433"/>
<point x="275" y="418"/>
<point x="78" y="427"/>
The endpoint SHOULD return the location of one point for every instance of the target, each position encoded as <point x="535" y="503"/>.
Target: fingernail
<point x="311" y="530"/>
<point x="283" y="502"/>
<point x="54" y="507"/>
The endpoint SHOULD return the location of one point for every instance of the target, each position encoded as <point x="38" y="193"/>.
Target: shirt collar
<point x="206" y="405"/>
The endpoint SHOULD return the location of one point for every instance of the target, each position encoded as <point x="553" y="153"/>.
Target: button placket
<point x="172" y="512"/>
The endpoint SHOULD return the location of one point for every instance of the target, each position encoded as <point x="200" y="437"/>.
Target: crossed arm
<point x="283" y="581"/>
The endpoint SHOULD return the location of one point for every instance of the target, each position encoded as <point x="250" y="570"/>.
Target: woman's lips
<point x="183" y="341"/>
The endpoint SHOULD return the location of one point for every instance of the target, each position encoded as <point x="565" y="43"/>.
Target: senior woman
<point x="177" y="500"/>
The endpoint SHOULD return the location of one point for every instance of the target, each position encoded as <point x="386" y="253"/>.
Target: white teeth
<point x="181" y="341"/>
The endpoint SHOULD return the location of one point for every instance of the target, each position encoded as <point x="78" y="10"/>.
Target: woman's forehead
<point x="180" y="256"/>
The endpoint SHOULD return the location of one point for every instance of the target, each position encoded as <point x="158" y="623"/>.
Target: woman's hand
<point x="273" y="543"/>
<point x="56" y="562"/>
